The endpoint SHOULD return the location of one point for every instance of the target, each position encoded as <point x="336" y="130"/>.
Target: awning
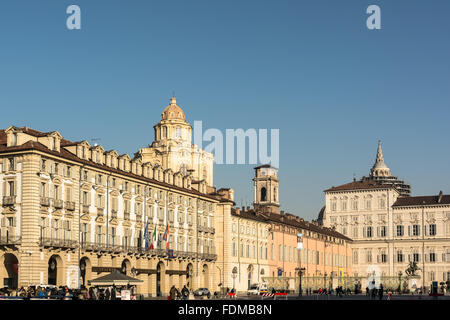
<point x="114" y="278"/>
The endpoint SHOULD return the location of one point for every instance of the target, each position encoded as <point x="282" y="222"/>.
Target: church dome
<point x="173" y="111"/>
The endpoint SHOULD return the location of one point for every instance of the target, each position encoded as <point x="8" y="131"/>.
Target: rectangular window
<point x="400" y="231"/>
<point x="432" y="257"/>
<point x="432" y="229"/>
<point x="11" y="188"/>
<point x="399" y="256"/>
<point x="416" y="230"/>
<point x="383" y="231"/>
<point x="11" y="164"/>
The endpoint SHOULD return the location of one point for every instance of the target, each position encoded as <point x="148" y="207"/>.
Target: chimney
<point x="248" y="208"/>
<point x="440" y="197"/>
<point x="243" y="208"/>
<point x="282" y="212"/>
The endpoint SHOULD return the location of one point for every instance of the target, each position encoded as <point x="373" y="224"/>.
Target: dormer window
<point x="14" y="139"/>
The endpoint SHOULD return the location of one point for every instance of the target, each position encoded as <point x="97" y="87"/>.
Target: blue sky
<point x="310" y="68"/>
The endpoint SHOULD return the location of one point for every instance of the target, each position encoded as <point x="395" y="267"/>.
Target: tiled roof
<point x="359" y="185"/>
<point x="288" y="220"/>
<point x="422" y="200"/>
<point x="63" y="153"/>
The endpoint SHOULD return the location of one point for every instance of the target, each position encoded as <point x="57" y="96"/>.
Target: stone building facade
<point x="389" y="230"/>
<point x="69" y="205"/>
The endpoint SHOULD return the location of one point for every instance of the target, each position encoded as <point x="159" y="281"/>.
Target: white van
<point x="257" y="289"/>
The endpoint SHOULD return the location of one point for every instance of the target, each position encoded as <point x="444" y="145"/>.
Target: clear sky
<point x="310" y="68"/>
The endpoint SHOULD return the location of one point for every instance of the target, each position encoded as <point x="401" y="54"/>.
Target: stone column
<point x="30" y="263"/>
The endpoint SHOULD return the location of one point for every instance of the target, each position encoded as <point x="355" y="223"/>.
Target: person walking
<point x="380" y="292"/>
<point x="172" y="293"/>
<point x="185" y="292"/>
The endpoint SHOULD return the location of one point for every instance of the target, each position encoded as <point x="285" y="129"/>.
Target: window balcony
<point x="126" y="215"/>
<point x="85" y="208"/>
<point x="9" y="200"/>
<point x="45" y="201"/>
<point x="70" y="205"/>
<point x="9" y="240"/>
<point x="139" y="217"/>
<point x="113" y="213"/>
<point x="100" y="212"/>
<point x="57" y="243"/>
<point x="212" y="230"/>
<point x="58" y="203"/>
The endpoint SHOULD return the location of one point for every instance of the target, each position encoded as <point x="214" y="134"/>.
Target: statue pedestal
<point x="413" y="282"/>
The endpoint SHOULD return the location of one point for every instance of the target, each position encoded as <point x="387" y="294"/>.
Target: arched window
<point x="263" y="194"/>
<point x="164" y="132"/>
<point x="178" y="132"/>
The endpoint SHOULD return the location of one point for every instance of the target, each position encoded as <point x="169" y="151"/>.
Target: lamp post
<point x="399" y="282"/>
<point x="325" y="280"/>
<point x="300" y="273"/>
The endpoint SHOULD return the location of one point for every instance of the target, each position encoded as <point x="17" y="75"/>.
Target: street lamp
<point x="399" y="282"/>
<point x="325" y="280"/>
<point x="300" y="273"/>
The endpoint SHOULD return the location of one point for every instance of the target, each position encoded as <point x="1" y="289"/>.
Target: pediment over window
<point x="86" y="217"/>
<point x="86" y="187"/>
<point x="9" y="210"/>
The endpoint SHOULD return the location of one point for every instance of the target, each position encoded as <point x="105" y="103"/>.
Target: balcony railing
<point x="70" y="205"/>
<point x="9" y="200"/>
<point x="113" y="213"/>
<point x="85" y="208"/>
<point x="9" y="240"/>
<point x="58" y="203"/>
<point x="139" y="217"/>
<point x="100" y="211"/>
<point x="57" y="243"/>
<point x="126" y="215"/>
<point x="45" y="201"/>
<point x="208" y="256"/>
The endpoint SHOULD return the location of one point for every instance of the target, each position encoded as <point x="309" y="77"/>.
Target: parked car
<point x="200" y="292"/>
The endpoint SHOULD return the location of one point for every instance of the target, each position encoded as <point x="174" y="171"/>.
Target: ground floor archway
<point x="85" y="270"/>
<point x="10" y="271"/>
<point x="55" y="270"/>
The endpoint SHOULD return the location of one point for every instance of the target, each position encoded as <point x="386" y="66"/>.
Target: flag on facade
<point x="166" y="233"/>
<point x="153" y="239"/>
<point x="146" y="236"/>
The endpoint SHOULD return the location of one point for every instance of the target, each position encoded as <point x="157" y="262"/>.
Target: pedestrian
<point x="172" y="293"/>
<point x="185" y="292"/>
<point x="380" y="292"/>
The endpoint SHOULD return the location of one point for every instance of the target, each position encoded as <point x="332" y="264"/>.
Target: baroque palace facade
<point x="72" y="212"/>
<point x="263" y="244"/>
<point x="391" y="229"/>
<point x="68" y="204"/>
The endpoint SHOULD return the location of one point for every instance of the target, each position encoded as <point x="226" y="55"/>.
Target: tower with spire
<point x="380" y="169"/>
<point x="382" y="174"/>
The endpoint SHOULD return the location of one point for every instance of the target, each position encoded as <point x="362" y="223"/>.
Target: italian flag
<point x="153" y="239"/>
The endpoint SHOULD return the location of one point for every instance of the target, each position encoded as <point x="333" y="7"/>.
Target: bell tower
<point x="266" y="189"/>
